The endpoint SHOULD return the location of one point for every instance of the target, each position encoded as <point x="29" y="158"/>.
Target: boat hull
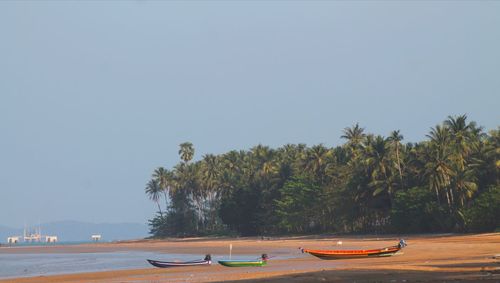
<point x="348" y="254"/>
<point x="167" y="264"/>
<point x="237" y="263"/>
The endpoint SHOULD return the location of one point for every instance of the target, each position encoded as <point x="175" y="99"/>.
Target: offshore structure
<point x="32" y="235"/>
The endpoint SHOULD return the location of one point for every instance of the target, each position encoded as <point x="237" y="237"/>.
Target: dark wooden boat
<point x="165" y="264"/>
<point x="343" y="254"/>
<point x="244" y="263"/>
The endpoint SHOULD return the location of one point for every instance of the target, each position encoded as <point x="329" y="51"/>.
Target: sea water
<point x="27" y="265"/>
<point x="45" y="244"/>
<point x="15" y="265"/>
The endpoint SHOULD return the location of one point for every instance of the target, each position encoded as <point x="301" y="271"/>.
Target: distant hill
<point x="70" y="231"/>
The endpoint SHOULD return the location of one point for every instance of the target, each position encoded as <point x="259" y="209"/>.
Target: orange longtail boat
<point x="342" y="254"/>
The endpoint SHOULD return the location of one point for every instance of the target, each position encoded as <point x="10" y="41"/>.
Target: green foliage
<point x="181" y="217"/>
<point x="298" y="206"/>
<point x="371" y="184"/>
<point x="240" y="210"/>
<point x="158" y="226"/>
<point x="416" y="210"/>
<point x="173" y="224"/>
<point x="484" y="213"/>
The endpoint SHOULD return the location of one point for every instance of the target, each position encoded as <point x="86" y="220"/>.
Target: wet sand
<point x="428" y="258"/>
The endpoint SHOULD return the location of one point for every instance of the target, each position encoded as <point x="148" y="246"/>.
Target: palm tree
<point x="439" y="174"/>
<point x="460" y="133"/>
<point x="186" y="192"/>
<point x="465" y="138"/>
<point x="438" y="167"/>
<point x="376" y="157"/>
<point x="164" y="178"/>
<point x="440" y="137"/>
<point x="186" y="151"/>
<point x="261" y="157"/>
<point x="354" y="136"/>
<point x="493" y="153"/>
<point x="210" y="174"/>
<point x="210" y="169"/>
<point x="153" y="190"/>
<point x="465" y="183"/>
<point x="395" y="138"/>
<point x="316" y="161"/>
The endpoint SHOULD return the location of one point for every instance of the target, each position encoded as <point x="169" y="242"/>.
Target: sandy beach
<point x="428" y="258"/>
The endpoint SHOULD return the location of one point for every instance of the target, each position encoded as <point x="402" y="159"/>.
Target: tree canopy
<point x="372" y="183"/>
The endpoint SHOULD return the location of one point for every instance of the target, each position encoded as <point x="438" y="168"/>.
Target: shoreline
<point x="428" y="258"/>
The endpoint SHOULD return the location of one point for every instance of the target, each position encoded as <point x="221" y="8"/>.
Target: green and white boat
<point x="243" y="263"/>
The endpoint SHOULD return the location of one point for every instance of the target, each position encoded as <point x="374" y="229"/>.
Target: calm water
<point x="23" y="265"/>
<point x="29" y="244"/>
<point x="26" y="265"/>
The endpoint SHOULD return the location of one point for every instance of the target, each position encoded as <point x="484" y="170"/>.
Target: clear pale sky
<point x="94" y="95"/>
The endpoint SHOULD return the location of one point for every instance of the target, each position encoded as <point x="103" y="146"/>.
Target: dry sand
<point x="428" y="258"/>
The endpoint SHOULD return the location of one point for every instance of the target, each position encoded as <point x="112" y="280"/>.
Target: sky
<point x="96" y="94"/>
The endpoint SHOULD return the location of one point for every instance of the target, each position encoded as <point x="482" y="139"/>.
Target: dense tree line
<point x="371" y="183"/>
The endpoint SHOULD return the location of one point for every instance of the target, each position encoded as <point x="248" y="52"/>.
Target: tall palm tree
<point x="210" y="174"/>
<point x="395" y="139"/>
<point x="376" y="157"/>
<point x="261" y="158"/>
<point x="439" y="137"/>
<point x="493" y="152"/>
<point x="460" y="133"/>
<point x="211" y="184"/>
<point x="186" y="151"/>
<point x="164" y="178"/>
<point x="153" y="190"/>
<point x="464" y="139"/>
<point x="316" y="161"/>
<point x="439" y="173"/>
<point x="210" y="169"/>
<point x="465" y="183"/>
<point x="187" y="191"/>
<point x="459" y="128"/>
<point x="354" y="136"/>
<point x="438" y="167"/>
